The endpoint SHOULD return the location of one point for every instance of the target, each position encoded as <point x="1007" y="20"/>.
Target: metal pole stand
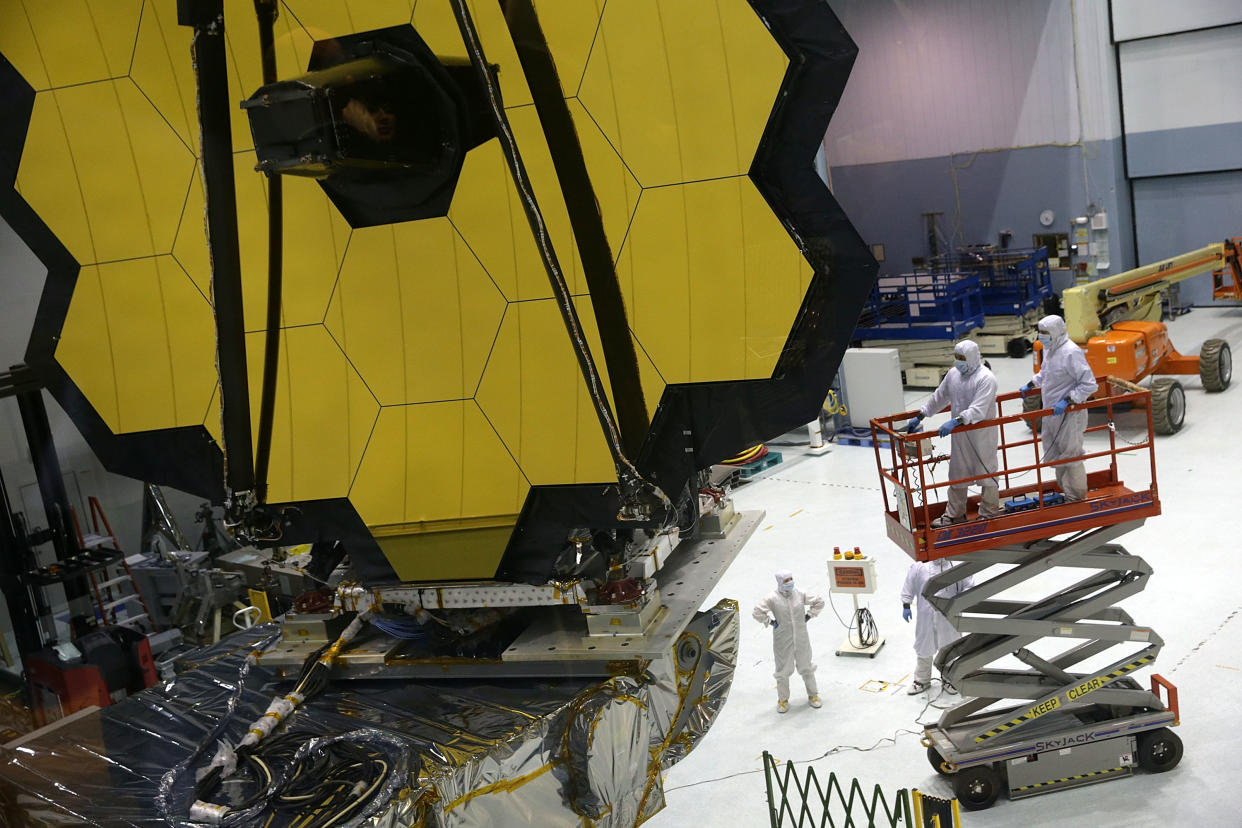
<point x="816" y="445"/>
<point x="855" y="576"/>
<point x="1071" y="727"/>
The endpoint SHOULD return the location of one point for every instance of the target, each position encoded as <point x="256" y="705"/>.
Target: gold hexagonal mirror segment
<point x="138" y="341"/>
<point x="665" y="83"/>
<point x="323" y="418"/>
<point x="439" y="491"/>
<point x="104" y="171"/>
<point x="712" y="281"/>
<point x="415" y="312"/>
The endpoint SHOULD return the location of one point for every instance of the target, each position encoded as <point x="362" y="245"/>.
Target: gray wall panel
<point x="884" y="201"/>
<point x="1106" y="175"/>
<point x="1192" y="149"/>
<point x="982" y="194"/>
<point x="1174" y="215"/>
<point x="21" y="280"/>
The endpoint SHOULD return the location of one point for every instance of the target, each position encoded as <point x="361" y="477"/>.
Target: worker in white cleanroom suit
<point x="786" y="610"/>
<point x="969" y="390"/>
<point x="1064" y="379"/>
<point x="932" y="630"/>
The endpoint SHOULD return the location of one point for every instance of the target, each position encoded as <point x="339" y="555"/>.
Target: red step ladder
<point x="109" y="591"/>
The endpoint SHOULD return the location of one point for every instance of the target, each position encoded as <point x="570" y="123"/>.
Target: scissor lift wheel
<point x="977" y="788"/>
<point x="1159" y="750"/>
<point x="937" y="761"/>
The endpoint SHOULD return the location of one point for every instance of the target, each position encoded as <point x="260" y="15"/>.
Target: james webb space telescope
<point x="477" y="377"/>
<point x="384" y="126"/>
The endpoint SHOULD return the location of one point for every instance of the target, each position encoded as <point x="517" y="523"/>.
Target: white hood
<point x="969" y="351"/>
<point x="1054" y="326"/>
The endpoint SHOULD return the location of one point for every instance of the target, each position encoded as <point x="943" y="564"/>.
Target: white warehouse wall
<point x="1145" y="18"/>
<point x="1183" y="120"/>
<point x="986" y="112"/>
<point x="949" y="76"/>
<point x="1184" y="80"/>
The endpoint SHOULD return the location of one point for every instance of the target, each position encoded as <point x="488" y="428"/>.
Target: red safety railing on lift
<point x="914" y="498"/>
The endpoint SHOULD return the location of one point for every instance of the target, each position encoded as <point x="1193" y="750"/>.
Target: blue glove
<point x="775" y="623"/>
<point x="1060" y="407"/>
<point x="808" y="616"/>
<point x="948" y="426"/>
<point x="913" y="425"/>
<point x="1026" y="389"/>
<point x="905" y="613"/>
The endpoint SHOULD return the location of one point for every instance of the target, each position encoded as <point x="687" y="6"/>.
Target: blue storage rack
<point x="1011" y="281"/>
<point x="922" y="305"/>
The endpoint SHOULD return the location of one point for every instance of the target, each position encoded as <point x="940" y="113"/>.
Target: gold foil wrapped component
<point x="559" y="752"/>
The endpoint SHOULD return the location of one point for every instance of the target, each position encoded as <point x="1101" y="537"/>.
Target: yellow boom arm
<point x="1093" y="308"/>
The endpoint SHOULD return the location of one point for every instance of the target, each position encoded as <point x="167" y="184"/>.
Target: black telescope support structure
<point x="266" y="11"/>
<point x="14" y="560"/>
<point x="51" y="483"/>
<point x="206" y="17"/>
<point x="20" y="382"/>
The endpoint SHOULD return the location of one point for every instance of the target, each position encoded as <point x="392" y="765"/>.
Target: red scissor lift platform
<point x="1049" y="697"/>
<point x="914" y="497"/>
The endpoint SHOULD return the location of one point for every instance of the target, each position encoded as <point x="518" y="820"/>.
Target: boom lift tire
<point x="1168" y="405"/>
<point x="977" y="787"/>
<point x="1159" y="750"/>
<point x="1215" y="365"/>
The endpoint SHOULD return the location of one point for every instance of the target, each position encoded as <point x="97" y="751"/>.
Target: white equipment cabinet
<point x="871" y="379"/>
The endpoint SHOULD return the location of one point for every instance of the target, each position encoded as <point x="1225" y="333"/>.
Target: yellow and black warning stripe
<point x="1067" y="779"/>
<point x="1133" y="665"/>
<point x="1026" y="716"/>
<point x="1083" y="689"/>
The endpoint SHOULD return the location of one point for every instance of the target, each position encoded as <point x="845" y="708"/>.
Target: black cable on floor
<point x="868" y="632"/>
<point x="829" y="752"/>
<point x="863" y="621"/>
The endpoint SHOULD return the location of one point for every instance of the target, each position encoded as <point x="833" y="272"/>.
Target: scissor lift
<point x="1080" y="716"/>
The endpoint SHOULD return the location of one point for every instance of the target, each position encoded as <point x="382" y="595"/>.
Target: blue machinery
<point x="951" y="297"/>
<point x="1011" y="282"/>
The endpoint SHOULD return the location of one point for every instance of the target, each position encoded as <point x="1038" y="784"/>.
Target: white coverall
<point x="1064" y="375"/>
<point x="931" y="629"/>
<point x="791" y="646"/>
<point x="971" y="397"/>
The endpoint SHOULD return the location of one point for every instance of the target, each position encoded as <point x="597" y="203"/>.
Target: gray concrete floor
<point x="1193" y="600"/>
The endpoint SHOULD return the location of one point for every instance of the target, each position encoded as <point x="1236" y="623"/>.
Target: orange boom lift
<point x="1117" y="321"/>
